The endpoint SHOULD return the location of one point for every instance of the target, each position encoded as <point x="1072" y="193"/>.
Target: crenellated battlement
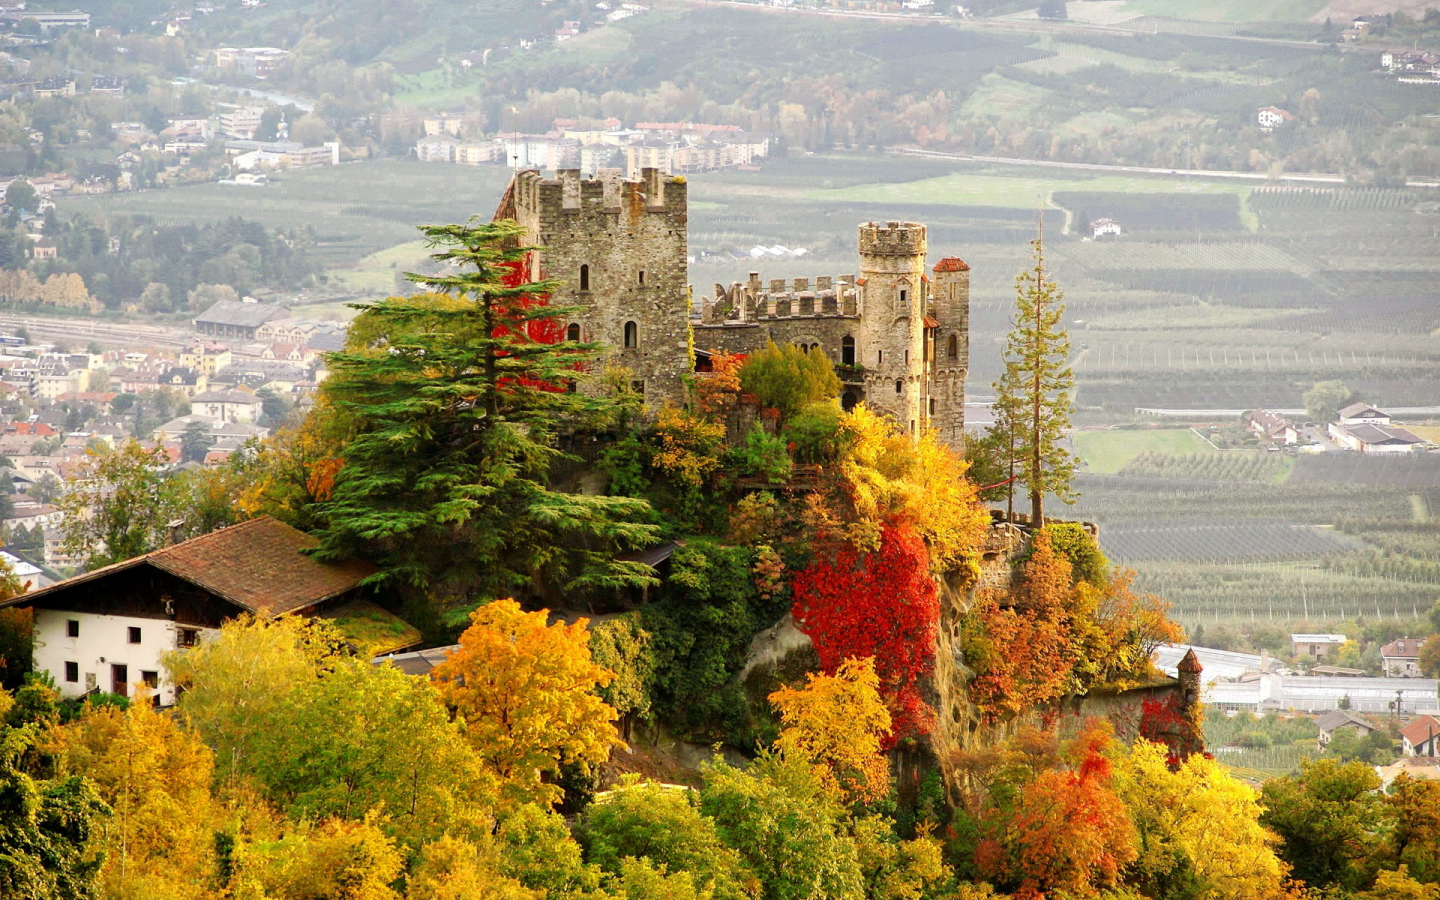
<point x="747" y="301"/>
<point x="892" y="239"/>
<point x="567" y="194"/>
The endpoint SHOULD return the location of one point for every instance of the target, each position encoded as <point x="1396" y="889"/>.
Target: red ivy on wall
<point x="882" y="605"/>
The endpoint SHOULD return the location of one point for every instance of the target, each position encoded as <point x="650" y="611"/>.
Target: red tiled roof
<point x="257" y="565"/>
<point x="951" y="264"/>
<point x="1419" y="731"/>
<point x="1404" y="648"/>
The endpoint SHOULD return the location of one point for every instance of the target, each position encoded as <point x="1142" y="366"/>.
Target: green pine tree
<point x="453" y="399"/>
<point x="1034" y="393"/>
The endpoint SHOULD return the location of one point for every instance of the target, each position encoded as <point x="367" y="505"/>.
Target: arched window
<point x="954" y="346"/>
<point x="572" y="331"/>
<point x="848" y="401"/>
<point x="632" y="335"/>
<point x="585" y="277"/>
<point x="847" y="351"/>
<point x="899" y="385"/>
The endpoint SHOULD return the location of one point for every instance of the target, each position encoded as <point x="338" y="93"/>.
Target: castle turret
<point x="892" y="328"/>
<point x="618" y="249"/>
<point x="950" y="308"/>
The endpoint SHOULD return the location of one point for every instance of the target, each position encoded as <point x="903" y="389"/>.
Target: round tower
<point x="892" y="320"/>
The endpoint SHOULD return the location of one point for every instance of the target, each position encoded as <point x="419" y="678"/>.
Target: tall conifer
<point x="1034" y="394"/>
<point x="453" y="399"/>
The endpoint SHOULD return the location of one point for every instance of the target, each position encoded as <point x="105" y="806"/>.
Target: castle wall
<point x="901" y="343"/>
<point x="619" y="250"/>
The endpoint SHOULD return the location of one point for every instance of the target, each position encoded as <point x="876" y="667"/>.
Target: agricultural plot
<point x="1106" y="452"/>
<point x="1231" y="465"/>
<point x="1231" y="542"/>
<point x="354" y="210"/>
<point x="1146" y="213"/>
<point x="1278" y="592"/>
<point x="1416" y="471"/>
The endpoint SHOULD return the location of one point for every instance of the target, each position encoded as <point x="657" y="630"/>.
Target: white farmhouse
<point x="108" y="630"/>
<point x="1271" y="117"/>
<point x="1103" y="227"/>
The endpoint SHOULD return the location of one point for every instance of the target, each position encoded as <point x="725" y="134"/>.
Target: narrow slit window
<point x="954" y="347"/>
<point x="585" y="277"/>
<point x="642" y="277"/>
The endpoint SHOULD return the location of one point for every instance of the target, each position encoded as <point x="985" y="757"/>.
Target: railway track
<point x="105" y="333"/>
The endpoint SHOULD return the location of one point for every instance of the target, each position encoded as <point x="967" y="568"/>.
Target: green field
<point x="1107" y="452"/>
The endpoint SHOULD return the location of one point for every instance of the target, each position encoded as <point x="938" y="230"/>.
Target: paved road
<point x="1305" y="177"/>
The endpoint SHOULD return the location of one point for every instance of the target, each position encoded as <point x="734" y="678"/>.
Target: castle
<point x="899" y="338"/>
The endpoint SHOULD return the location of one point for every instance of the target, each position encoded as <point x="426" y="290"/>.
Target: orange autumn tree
<point x="1065" y="832"/>
<point x="838" y="723"/>
<point x="526" y="692"/>
<point x="1055" y="635"/>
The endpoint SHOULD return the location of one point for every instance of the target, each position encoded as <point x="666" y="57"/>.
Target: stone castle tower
<point x="619" y="250"/>
<point x="899" y="341"/>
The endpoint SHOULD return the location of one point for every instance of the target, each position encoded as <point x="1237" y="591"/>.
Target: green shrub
<point x="788" y="378"/>
<point x="815" y="432"/>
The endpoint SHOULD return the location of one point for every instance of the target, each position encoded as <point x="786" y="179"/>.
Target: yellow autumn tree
<point x="455" y="869"/>
<point x="155" y="774"/>
<point x="1198" y="827"/>
<point x="837" y="724"/>
<point x="889" y="475"/>
<point x="336" y="859"/>
<point x="237" y="685"/>
<point x="526" y="692"/>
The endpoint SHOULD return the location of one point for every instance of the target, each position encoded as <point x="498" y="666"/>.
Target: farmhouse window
<point x="72" y="628"/>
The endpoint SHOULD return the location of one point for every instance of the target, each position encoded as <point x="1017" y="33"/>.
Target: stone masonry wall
<point x="619" y="250"/>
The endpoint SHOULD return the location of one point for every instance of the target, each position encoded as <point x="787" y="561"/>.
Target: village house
<point x="1104" y="228"/>
<point x="1365" y="429"/>
<point x="187" y="381"/>
<point x="1273" y="426"/>
<point x="1272" y="117"/>
<point x="1338" y="720"/>
<point x="207" y="356"/>
<point x="227" y="406"/>
<point x="1314" y="645"/>
<point x="1421" y="737"/>
<point x="109" y="629"/>
<point x="1401" y="658"/>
